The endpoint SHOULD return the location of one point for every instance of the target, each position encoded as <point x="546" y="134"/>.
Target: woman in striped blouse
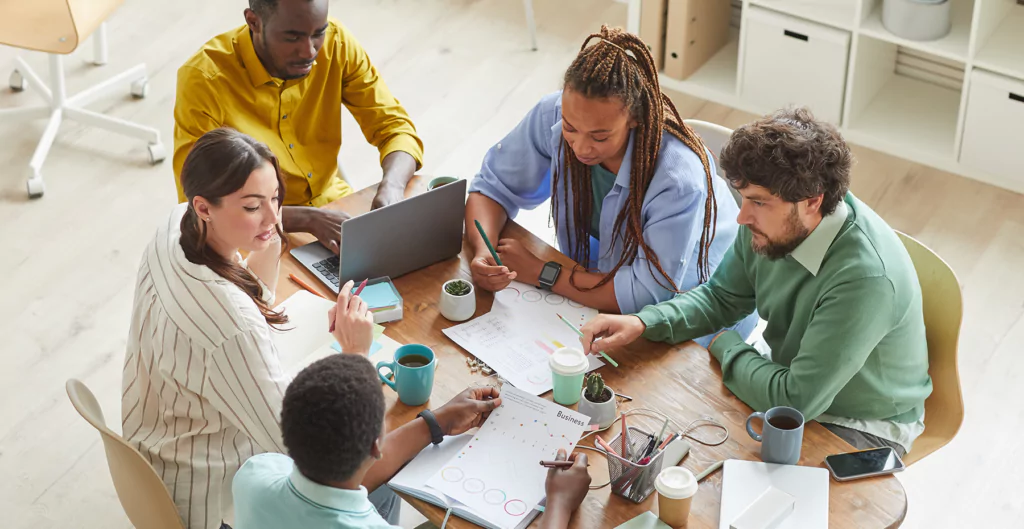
<point x="202" y="384"/>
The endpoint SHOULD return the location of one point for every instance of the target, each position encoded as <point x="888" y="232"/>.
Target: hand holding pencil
<point x="351" y="321"/>
<point x="489" y="273"/>
<point x="566" y="487"/>
<point x="613" y="331"/>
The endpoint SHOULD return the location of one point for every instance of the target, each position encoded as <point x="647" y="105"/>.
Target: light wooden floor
<point x="464" y="71"/>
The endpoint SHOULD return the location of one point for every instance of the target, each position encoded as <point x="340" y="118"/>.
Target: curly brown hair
<point x="792" y="155"/>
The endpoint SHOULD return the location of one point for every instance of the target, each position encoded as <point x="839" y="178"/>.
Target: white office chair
<point x="715" y="137"/>
<point x="57" y="27"/>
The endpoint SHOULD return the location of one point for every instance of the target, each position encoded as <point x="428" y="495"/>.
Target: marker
<point x="663" y="428"/>
<point x="580" y="334"/>
<point x="487" y="241"/>
<point x="604" y="444"/>
<point x="623" y="436"/>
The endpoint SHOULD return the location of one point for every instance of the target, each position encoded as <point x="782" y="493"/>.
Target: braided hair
<point x="620" y="65"/>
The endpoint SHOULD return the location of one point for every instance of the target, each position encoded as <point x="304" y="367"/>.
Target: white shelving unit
<point x="953" y="46"/>
<point x="902" y="97"/>
<point x="840" y="14"/>
<point x="1003" y="51"/>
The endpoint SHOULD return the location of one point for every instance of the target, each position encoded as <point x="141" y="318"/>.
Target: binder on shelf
<point x="652" y="29"/>
<point x="694" y="31"/>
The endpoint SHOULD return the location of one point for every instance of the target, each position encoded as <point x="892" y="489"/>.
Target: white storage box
<point x="994" y="128"/>
<point x="790" y="61"/>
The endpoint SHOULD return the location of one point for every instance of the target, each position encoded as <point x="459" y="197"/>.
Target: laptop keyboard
<point x="330" y="268"/>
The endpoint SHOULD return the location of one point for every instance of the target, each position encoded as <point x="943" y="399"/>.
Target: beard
<point x="795" y="233"/>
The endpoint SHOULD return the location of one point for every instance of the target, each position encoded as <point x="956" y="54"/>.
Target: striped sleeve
<point x="246" y="385"/>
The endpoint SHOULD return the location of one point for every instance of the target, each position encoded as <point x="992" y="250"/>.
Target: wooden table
<point x="682" y="381"/>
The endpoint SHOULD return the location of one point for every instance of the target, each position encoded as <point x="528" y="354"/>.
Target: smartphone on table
<point x="864" y="463"/>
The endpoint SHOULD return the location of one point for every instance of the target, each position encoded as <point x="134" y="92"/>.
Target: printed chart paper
<point x="498" y="473"/>
<point x="520" y="332"/>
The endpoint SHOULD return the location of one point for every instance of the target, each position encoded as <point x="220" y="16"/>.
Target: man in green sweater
<point x="832" y="279"/>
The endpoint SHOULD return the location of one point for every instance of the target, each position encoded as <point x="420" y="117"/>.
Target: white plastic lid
<point x="568" y="362"/>
<point x="676" y="483"/>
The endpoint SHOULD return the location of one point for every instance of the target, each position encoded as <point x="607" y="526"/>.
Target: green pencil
<point x="710" y="470"/>
<point x="487" y="241"/>
<point x="580" y="333"/>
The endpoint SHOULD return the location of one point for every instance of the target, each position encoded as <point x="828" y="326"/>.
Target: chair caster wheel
<point x="140" y="88"/>
<point x="157" y="153"/>
<point x="35" y="187"/>
<point x="16" y="81"/>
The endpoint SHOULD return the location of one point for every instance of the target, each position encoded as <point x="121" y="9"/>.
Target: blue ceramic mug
<point x="413" y="369"/>
<point x="781" y="436"/>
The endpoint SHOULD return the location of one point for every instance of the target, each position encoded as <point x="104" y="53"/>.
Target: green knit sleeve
<point x="849" y="322"/>
<point x="724" y="300"/>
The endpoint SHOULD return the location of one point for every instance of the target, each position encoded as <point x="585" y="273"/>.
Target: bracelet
<point x="436" y="433"/>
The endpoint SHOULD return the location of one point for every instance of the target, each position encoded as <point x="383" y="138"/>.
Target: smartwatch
<point x="436" y="434"/>
<point x="549" y="274"/>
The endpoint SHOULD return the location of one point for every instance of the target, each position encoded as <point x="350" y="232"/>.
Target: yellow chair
<point x="57" y="27"/>
<point x="715" y="137"/>
<point x="943" y="314"/>
<point x="142" y="493"/>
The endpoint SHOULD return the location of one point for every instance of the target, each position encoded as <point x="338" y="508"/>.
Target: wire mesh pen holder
<point x="634" y="480"/>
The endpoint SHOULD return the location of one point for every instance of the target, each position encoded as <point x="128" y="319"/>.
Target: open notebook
<point x="412" y="481"/>
<point x="307" y="338"/>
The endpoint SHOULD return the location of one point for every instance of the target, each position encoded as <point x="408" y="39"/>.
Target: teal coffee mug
<point x="413" y="369"/>
<point x="441" y="181"/>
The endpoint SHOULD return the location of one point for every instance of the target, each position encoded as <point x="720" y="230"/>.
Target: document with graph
<point x="519" y="333"/>
<point x="498" y="473"/>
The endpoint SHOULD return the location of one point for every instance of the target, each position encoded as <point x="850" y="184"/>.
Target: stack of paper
<point x="519" y="333"/>
<point x="380" y="297"/>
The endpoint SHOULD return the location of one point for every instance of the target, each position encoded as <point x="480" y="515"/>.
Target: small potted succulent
<point x="458" y="300"/>
<point x="598" y="401"/>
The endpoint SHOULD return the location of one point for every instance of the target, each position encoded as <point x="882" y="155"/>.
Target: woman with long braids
<point x="634" y="196"/>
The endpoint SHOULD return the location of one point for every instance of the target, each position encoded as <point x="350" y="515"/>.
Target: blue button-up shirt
<point x="516" y="173"/>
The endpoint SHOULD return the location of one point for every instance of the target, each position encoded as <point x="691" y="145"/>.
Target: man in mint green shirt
<point x="834" y="282"/>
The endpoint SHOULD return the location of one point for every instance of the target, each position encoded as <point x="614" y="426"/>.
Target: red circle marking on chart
<point x="518" y="507"/>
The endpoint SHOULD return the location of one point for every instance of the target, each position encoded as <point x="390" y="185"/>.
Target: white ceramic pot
<point x="457" y="308"/>
<point x="600" y="413"/>
<point x="917" y="19"/>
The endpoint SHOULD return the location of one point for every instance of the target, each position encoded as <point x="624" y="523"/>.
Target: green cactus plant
<point x="596" y="390"/>
<point x="457" y="288"/>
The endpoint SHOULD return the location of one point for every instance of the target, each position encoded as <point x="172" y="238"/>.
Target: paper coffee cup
<point x="568" y="366"/>
<point x="676" y="487"/>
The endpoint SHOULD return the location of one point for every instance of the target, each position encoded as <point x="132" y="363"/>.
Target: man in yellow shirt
<point x="282" y="79"/>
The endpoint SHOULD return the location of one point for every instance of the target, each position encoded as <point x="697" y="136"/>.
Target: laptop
<point x="394" y="240"/>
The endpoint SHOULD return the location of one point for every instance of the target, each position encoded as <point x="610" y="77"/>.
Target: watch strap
<point x="436" y="433"/>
